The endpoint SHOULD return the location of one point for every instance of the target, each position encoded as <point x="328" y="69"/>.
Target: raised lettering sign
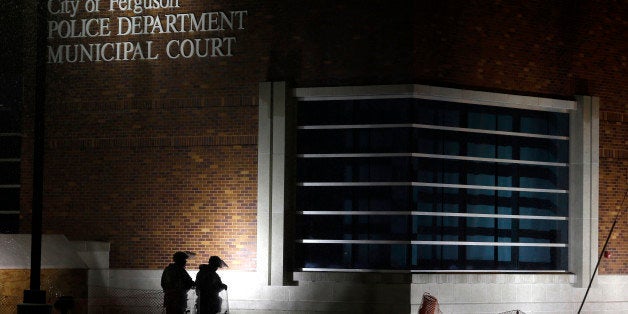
<point x="69" y="34"/>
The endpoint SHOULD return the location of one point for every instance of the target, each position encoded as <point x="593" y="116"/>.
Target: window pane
<point x="480" y="229"/>
<point x="488" y="201"/>
<point x="449" y="257"/>
<point x="9" y="199"/>
<point x="10" y="146"/>
<point x="10" y="121"/>
<point x="9" y="172"/>
<point x="431" y="112"/>
<point x="353" y="256"/>
<point x="337" y="141"/>
<point x="347" y="198"/>
<point x="368" y="111"/>
<point x="354" y="169"/>
<point x="358" y="227"/>
<point x="9" y="223"/>
<point x="543" y="204"/>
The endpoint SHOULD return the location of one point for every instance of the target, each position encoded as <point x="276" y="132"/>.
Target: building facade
<point x="343" y="155"/>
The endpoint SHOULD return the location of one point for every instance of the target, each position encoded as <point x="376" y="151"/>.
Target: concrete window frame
<point x="276" y="166"/>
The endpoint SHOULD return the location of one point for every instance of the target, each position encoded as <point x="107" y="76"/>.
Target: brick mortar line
<point x="153" y="104"/>
<point x="613" y="116"/>
<point x="182" y="141"/>
<point x="614" y="153"/>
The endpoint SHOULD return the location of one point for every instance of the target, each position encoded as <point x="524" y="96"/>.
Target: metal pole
<point x="35" y="295"/>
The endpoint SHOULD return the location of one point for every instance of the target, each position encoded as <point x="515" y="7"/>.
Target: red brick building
<point x="152" y="127"/>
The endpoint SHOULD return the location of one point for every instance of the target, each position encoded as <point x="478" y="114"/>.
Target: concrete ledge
<point x="320" y="292"/>
<point x="434" y="93"/>
<point x="56" y="252"/>
<point x="358" y="277"/>
<point x="562" y="278"/>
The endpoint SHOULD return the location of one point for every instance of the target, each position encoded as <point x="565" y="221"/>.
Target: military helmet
<point x="179" y="256"/>
<point x="217" y="262"/>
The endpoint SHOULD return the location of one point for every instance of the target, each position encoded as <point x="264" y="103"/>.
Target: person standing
<point x="208" y="285"/>
<point x="176" y="282"/>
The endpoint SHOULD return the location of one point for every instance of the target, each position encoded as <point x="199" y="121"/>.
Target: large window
<point x="417" y="184"/>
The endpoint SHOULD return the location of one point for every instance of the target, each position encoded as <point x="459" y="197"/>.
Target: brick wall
<point x="157" y="156"/>
<point x="151" y="191"/>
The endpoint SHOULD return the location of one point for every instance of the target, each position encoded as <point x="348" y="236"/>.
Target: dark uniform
<point x="208" y="285"/>
<point x="176" y="283"/>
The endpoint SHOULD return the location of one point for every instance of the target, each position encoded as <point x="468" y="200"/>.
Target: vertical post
<point x="583" y="197"/>
<point x="273" y="177"/>
<point x="278" y="183"/>
<point x="38" y="149"/>
<point x="34" y="298"/>
<point x="264" y="188"/>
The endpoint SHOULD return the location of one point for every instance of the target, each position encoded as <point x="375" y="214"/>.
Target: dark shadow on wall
<point x="284" y="66"/>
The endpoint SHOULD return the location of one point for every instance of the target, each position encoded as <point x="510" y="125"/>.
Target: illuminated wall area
<point x="343" y="156"/>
